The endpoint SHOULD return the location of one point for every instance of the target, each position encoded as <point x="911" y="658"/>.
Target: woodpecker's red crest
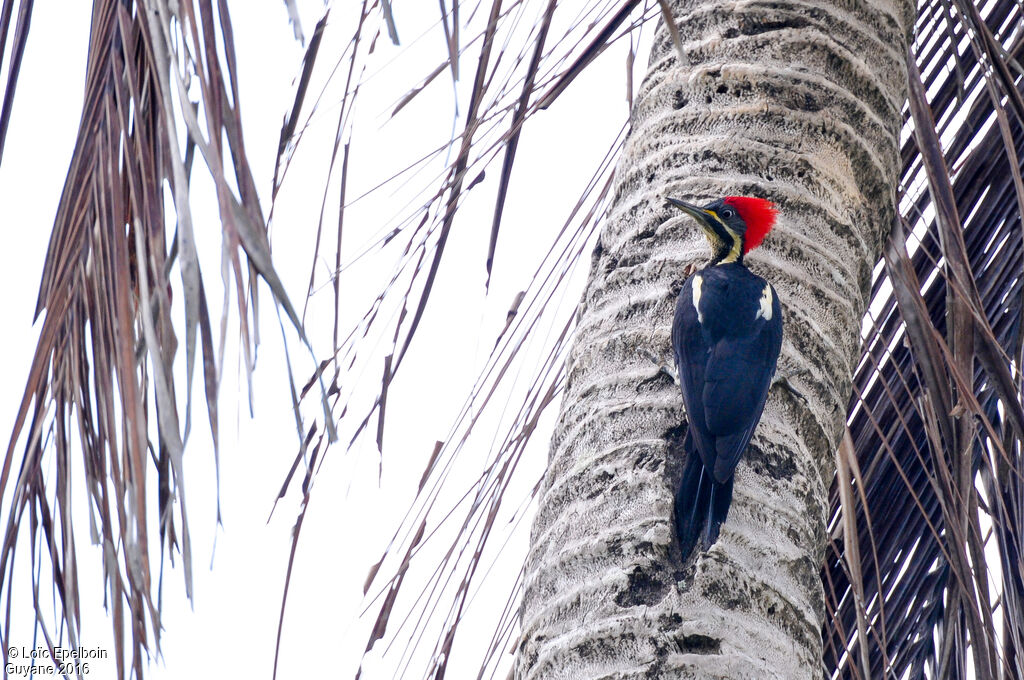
<point x="759" y="216"/>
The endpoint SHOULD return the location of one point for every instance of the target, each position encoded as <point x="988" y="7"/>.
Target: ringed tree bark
<point x="799" y="102"/>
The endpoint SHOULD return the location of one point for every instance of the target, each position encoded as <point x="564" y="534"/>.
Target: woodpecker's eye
<point x="728" y="213"/>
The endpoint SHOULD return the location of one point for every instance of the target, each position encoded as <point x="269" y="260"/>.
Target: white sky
<point x="230" y="629"/>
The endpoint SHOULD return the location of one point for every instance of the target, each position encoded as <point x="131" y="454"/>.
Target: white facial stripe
<point x="698" y="281"/>
<point x="765" y="311"/>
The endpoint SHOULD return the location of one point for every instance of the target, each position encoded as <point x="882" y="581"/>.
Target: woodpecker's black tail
<point x="701" y="503"/>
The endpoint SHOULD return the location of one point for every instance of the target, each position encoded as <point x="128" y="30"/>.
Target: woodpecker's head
<point x="733" y="225"/>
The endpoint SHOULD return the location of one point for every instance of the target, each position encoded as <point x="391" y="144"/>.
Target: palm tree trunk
<point x="799" y="102"/>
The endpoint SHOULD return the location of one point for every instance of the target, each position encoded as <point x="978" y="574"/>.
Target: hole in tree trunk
<point x="699" y="644"/>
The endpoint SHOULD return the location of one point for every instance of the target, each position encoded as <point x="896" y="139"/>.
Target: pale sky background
<point x="230" y="628"/>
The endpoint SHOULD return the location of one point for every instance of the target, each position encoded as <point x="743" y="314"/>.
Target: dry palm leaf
<point x="103" y="367"/>
<point x="937" y="418"/>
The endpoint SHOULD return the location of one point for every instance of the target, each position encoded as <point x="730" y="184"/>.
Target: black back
<point x="726" y="352"/>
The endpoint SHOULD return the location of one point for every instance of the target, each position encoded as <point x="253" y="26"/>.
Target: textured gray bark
<point x="798" y="102"/>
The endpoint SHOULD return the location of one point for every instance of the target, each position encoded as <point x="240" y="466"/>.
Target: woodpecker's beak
<point x="694" y="211"/>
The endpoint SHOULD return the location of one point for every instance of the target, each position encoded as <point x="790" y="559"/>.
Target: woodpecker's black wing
<point x="696" y="493"/>
<point x="691" y="353"/>
<point x="736" y="380"/>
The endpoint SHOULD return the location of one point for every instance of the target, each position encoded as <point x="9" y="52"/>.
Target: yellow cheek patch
<point x="735" y="244"/>
<point x="736" y="247"/>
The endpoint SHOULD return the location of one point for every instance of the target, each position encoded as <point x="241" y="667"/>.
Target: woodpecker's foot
<point x="784" y="382"/>
<point x="663" y="370"/>
<point x="689" y="270"/>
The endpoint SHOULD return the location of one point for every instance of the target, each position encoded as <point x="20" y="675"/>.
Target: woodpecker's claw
<point x="662" y="370"/>
<point x="665" y="370"/>
<point x="784" y="383"/>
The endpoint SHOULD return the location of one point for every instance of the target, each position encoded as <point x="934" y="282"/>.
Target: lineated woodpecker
<point x="726" y="336"/>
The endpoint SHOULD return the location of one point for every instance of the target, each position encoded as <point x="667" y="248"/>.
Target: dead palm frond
<point x="159" y="74"/>
<point x="936" y="418"/>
